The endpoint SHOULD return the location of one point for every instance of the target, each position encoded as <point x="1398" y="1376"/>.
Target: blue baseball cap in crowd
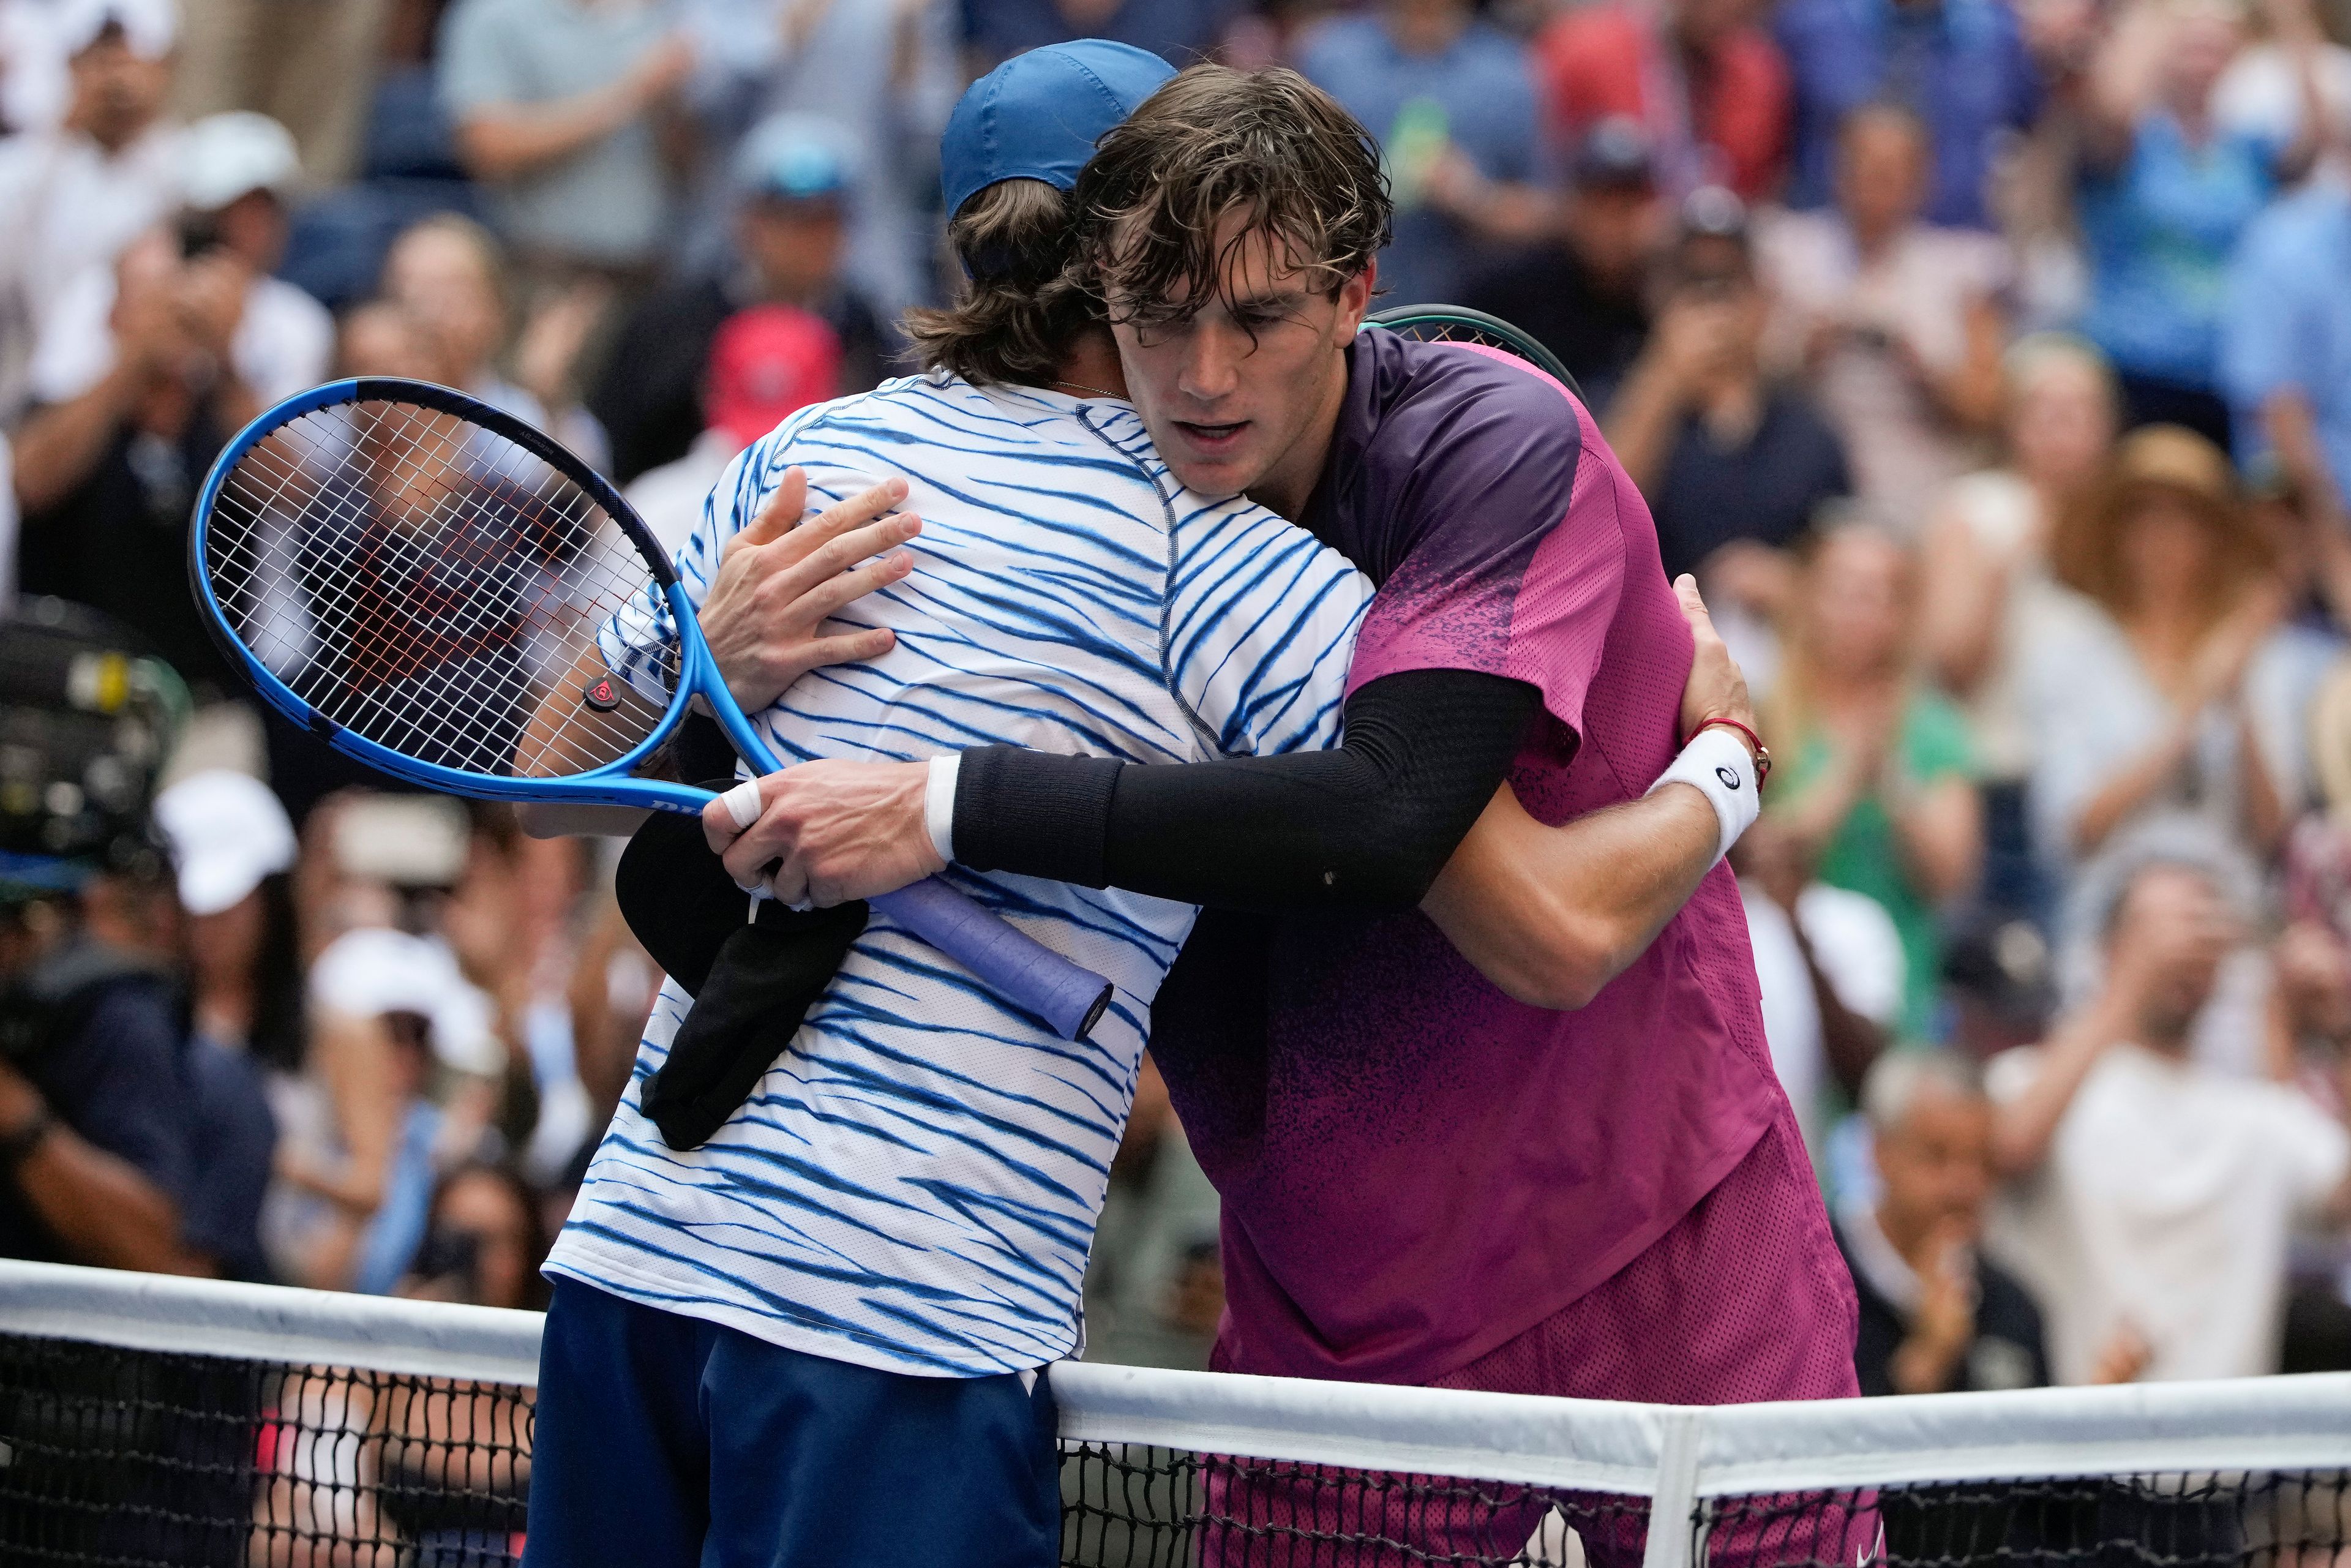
<point x="1037" y="115"/>
<point x="794" y="157"/>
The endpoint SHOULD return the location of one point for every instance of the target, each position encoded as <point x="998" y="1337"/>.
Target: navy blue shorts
<point x="667" y="1442"/>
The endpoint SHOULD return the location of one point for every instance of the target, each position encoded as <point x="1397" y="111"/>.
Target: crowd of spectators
<point x="1988" y="362"/>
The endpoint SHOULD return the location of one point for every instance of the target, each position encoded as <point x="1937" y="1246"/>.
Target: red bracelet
<point x="1762" y="752"/>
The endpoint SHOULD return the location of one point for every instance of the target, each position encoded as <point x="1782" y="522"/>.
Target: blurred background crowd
<point x="1987" y="360"/>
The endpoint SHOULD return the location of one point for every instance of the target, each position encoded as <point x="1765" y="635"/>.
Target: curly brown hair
<point x="1023" y="306"/>
<point x="1268" y="145"/>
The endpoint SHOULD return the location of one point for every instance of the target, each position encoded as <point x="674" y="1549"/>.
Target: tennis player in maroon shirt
<point x="1579" y="1175"/>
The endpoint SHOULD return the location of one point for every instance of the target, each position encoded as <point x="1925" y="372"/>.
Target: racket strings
<point x="433" y="586"/>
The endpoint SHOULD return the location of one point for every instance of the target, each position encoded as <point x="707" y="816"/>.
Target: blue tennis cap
<point x="1037" y="115"/>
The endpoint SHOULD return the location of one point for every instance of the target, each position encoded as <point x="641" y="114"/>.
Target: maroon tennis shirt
<point x="1415" y="1168"/>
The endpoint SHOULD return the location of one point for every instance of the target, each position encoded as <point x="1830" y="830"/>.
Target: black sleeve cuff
<point x="1035" y="813"/>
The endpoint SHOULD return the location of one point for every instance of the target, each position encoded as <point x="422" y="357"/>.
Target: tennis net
<point x="150" y="1421"/>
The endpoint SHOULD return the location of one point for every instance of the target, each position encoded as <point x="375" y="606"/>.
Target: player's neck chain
<point x="1080" y="388"/>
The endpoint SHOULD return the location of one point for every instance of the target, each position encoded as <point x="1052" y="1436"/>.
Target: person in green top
<point x="1876" y="774"/>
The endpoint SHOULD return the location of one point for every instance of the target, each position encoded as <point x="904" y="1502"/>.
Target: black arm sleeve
<point x="1365" y="826"/>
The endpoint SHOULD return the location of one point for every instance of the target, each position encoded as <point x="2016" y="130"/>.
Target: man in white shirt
<point x="237" y="168"/>
<point x="2151" y="1196"/>
<point x="75" y="198"/>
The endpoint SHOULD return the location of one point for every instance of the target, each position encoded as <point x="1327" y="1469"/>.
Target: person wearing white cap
<point x="388" y="1009"/>
<point x="77" y="196"/>
<point x="229" y="837"/>
<point x="235" y="171"/>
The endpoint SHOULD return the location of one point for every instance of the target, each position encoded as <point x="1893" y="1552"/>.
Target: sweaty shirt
<point x="1415" y="1168"/>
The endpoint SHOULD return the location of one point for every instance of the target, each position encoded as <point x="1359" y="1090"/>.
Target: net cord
<point x="2299" y="1423"/>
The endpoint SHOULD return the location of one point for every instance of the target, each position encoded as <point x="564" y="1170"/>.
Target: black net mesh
<point x="2264" y="1519"/>
<point x="145" y="1460"/>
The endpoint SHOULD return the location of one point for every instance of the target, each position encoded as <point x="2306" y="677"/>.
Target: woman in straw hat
<point x="2139" y="693"/>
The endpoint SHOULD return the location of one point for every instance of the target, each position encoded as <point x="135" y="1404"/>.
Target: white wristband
<point x="938" y="803"/>
<point x="1717" y="764"/>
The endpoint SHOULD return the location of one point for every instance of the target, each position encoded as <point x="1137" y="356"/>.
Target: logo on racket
<point x="602" y="696"/>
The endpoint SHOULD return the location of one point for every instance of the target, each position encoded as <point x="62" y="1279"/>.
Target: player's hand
<point x="830" y="831"/>
<point x="1715" y="689"/>
<point x="778" y="582"/>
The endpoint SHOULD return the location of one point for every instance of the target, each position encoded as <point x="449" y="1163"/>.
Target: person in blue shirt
<point x="2165" y="190"/>
<point x="2286" y="340"/>
<point x="1962" y="67"/>
<point x="1453" y="104"/>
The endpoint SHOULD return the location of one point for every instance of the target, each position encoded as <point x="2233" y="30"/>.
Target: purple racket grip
<point x="1018" y="968"/>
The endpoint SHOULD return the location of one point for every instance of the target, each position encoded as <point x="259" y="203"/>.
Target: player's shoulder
<point x="1437" y="423"/>
<point x="1464" y="389"/>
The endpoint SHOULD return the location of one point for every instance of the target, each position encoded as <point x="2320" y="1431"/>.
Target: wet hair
<point x="1022" y="308"/>
<point x="1214" y="142"/>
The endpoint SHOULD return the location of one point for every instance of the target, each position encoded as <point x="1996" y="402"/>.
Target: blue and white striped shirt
<point x="914" y="1185"/>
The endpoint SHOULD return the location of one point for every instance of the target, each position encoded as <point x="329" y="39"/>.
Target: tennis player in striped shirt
<point x="816" y="1339"/>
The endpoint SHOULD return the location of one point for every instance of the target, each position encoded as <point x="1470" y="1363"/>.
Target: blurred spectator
<point x="310" y="68"/>
<point x="484" y="1241"/>
<point x="238" y="168"/>
<point x="232" y="846"/>
<point x="97" y="1135"/>
<point x="365" y="1137"/>
<point x="77" y="196"/>
<point x="1736" y="465"/>
<point x="1699" y="76"/>
<point x="108" y="478"/>
<point x="2150" y="1197"/>
<point x="763" y="363"/>
<point x="1899" y="324"/>
<point x="1181" y="32"/>
<point x="791" y="226"/>
<point x="557" y="105"/>
<point x="1987" y="553"/>
<point x="450" y="274"/>
<point x="875" y="77"/>
<point x="1580" y="291"/>
<point x="385" y="337"/>
<point x="1829" y="968"/>
<point x="1875" y="779"/>
<point x="2164" y="192"/>
<point x="1936" y="1317"/>
<point x="2286" y="344"/>
<point x="1453" y="104"/>
<point x="1960" y="67"/>
<point x="2139" y="690"/>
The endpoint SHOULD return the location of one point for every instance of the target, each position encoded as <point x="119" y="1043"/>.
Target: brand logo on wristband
<point x="1730" y="779"/>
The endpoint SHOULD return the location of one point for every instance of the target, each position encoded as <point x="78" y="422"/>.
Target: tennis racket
<point x="1460" y="324"/>
<point x="427" y="583"/>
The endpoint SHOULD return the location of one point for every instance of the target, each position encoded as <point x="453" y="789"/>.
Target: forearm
<point x="1939" y="833"/>
<point x="58" y="447"/>
<point x="2287" y="420"/>
<point x="2023" y="1128"/>
<point x="2265" y="816"/>
<point x="1973" y="394"/>
<point x="1364" y="826"/>
<point x="514" y="139"/>
<point x="2128" y="790"/>
<point x="103" y="1207"/>
<point x="1641" y="422"/>
<point x="1551" y="914"/>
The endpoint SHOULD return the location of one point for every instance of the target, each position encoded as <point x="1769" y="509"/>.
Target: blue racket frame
<point x="607" y="785"/>
<point x="1071" y="998"/>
